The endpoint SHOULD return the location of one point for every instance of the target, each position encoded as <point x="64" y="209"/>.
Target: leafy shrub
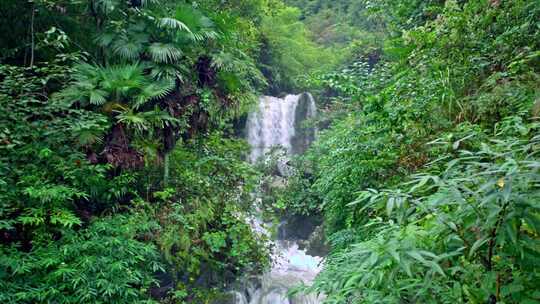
<point x="205" y="234"/>
<point x="461" y="232"/>
<point x="107" y="262"/>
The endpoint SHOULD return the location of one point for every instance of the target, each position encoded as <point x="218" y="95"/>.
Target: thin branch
<point x="493" y="236"/>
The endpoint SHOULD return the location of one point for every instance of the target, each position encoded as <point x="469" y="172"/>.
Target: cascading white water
<point x="277" y="123"/>
<point x="291" y="267"/>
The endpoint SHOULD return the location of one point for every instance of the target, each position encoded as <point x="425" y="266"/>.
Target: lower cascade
<point x="291" y="266"/>
<point x="279" y="122"/>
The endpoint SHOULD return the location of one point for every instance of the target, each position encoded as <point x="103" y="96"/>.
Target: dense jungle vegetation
<point x="123" y="179"/>
<point x="427" y="175"/>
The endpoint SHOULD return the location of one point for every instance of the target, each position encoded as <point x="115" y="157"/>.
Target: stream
<point x="278" y="122"/>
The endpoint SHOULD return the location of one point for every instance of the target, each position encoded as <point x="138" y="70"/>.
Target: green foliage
<point x="105" y="263"/>
<point x="37" y="140"/>
<point x="288" y="52"/>
<point x="95" y="99"/>
<point x="116" y="167"/>
<point x="119" y="84"/>
<point x="459" y="231"/>
<point x="204" y="221"/>
<point x="48" y="191"/>
<point x="58" y="247"/>
<point x="339" y="23"/>
<point x="124" y="92"/>
<point x="427" y="173"/>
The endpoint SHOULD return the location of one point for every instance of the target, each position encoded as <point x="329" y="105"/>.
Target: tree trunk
<point x="166" y="166"/>
<point x="32" y="35"/>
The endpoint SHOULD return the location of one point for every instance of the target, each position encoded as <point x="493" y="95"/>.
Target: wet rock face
<point x="316" y="245"/>
<point x="294" y="227"/>
<point x="307" y="231"/>
<point x="304" y="134"/>
<point x="166" y="284"/>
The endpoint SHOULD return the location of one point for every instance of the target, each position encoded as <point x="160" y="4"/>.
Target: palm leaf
<point x="98" y="97"/>
<point x="161" y="52"/>
<point x="105" y="39"/>
<point x="155" y="90"/>
<point x="132" y="120"/>
<point x="173" y="24"/>
<point x="159" y="118"/>
<point x="167" y="71"/>
<point x="85" y="87"/>
<point x="120" y="80"/>
<point x="193" y="18"/>
<point x="201" y="27"/>
<point x="130" y="46"/>
<point x="127" y="49"/>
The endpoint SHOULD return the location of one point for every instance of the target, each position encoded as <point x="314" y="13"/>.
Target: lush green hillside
<point x="428" y="174"/>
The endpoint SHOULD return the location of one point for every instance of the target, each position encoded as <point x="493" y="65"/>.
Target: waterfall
<point x="278" y="122"/>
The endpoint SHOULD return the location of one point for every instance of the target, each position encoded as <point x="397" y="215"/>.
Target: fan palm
<point x="188" y="25"/>
<point x="164" y="52"/>
<point x="123" y="84"/>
